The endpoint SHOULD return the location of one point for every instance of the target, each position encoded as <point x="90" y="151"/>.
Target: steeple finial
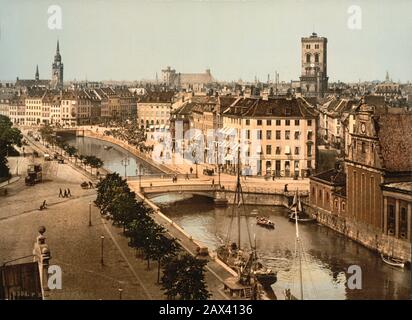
<point x="58" y="49"/>
<point x="37" y="72"/>
<point x="387" y="76"/>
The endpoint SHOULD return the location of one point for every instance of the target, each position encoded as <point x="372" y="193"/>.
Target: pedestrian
<point x="286" y="188"/>
<point x="90" y="185"/>
<point x="191" y="170"/>
<point x="273" y="177"/>
<point x="213" y="182"/>
<point x="187" y="176"/>
<point x="60" y="193"/>
<point x="65" y="193"/>
<point x="69" y="194"/>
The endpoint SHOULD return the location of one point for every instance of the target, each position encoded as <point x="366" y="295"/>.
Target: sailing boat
<point x="390" y="260"/>
<point x="244" y="263"/>
<point x="297" y="211"/>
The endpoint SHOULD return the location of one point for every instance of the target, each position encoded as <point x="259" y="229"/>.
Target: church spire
<point x="57" y="49"/>
<point x="37" y="72"/>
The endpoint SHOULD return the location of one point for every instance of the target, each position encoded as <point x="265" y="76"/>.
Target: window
<point x="309" y="123"/>
<point x="309" y="149"/>
<point x="268" y="149"/>
<point x="296" y="150"/>
<point x="278" y="137"/>
<point x="307" y="58"/>
<point x="287" y="122"/>
<point x="363" y="147"/>
<point x="316" y="46"/>
<point x="268" y="134"/>
<point x="259" y="134"/>
<point x="259" y="122"/>
<point x="278" y="122"/>
<point x="320" y="195"/>
<point x="308" y="46"/>
<point x="317" y="57"/>
<point x="268" y="122"/>
<point x="310" y="134"/>
<point x="278" y="151"/>
<point x="247" y="122"/>
<point x="343" y="206"/>
<point x="247" y="134"/>
<point x="287" y="134"/>
<point x="297" y="122"/>
<point x="297" y="135"/>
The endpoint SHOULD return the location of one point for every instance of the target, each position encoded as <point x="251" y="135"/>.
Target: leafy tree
<point x="9" y="136"/>
<point x="123" y="207"/>
<point x="71" y="151"/>
<point x="107" y="189"/>
<point x="184" y="278"/>
<point x="164" y="247"/>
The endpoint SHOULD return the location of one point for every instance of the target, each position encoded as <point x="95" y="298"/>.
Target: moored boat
<point x="265" y="222"/>
<point x="393" y="261"/>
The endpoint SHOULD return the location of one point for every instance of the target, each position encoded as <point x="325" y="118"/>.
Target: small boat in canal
<point x="390" y="259"/>
<point x="265" y="222"/>
<point x="393" y="261"/>
<point x="297" y="211"/>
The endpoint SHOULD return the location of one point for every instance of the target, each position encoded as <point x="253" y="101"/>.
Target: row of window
<point x="278" y="135"/>
<point x="316" y="46"/>
<point x="278" y="122"/>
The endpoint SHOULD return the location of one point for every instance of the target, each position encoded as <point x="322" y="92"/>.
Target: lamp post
<point x="90" y="213"/>
<point x="101" y="253"/>
<point x="125" y="162"/>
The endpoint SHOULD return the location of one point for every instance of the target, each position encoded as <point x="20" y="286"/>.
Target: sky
<point x="236" y="39"/>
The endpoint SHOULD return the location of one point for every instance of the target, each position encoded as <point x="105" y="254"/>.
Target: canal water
<point x="112" y="157"/>
<point x="328" y="256"/>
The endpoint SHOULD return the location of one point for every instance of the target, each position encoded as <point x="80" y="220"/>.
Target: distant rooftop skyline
<point x="134" y="40"/>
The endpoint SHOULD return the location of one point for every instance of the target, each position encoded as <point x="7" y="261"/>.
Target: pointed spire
<point x="387" y="76"/>
<point x="57" y="49"/>
<point x="37" y="72"/>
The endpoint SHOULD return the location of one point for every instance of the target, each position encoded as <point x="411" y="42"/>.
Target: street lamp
<point x="101" y="256"/>
<point x="90" y="213"/>
<point x="125" y="162"/>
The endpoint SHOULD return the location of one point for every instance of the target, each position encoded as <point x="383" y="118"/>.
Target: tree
<point x="9" y="136"/>
<point x="164" y="248"/>
<point x="71" y="151"/>
<point x="123" y="207"/>
<point x="111" y="185"/>
<point x="184" y="278"/>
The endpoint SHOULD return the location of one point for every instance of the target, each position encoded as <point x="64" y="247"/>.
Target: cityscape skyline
<point x="169" y="42"/>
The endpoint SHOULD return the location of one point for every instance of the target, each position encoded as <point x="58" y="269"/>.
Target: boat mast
<point x="238" y="195"/>
<point x="298" y="247"/>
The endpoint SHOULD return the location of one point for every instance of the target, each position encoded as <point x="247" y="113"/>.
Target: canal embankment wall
<point x="364" y="234"/>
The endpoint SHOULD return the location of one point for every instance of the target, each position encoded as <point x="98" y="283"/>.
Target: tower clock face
<point x="363" y="127"/>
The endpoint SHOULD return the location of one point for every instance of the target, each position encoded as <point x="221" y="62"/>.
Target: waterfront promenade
<point x="75" y="246"/>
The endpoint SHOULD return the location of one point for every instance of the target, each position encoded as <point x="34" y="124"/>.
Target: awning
<point x="151" y="126"/>
<point x="167" y="126"/>
<point x="162" y="126"/>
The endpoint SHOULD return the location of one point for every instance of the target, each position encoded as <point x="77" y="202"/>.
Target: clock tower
<point x="57" y="70"/>
<point x="314" y="79"/>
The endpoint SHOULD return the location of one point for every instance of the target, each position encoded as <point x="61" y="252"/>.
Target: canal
<point x="328" y="255"/>
<point x="112" y="155"/>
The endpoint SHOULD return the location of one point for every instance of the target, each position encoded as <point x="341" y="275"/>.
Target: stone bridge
<point x="252" y="195"/>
